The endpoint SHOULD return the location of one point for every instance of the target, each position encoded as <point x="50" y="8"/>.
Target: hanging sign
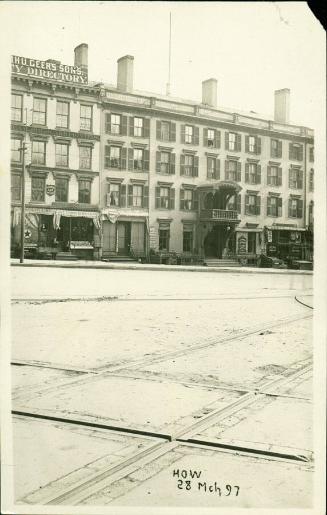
<point x="50" y="189"/>
<point x="269" y="236"/>
<point x="27" y="234"/>
<point x="241" y="245"/>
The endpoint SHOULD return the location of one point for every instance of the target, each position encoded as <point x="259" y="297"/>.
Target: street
<point x="122" y="379"/>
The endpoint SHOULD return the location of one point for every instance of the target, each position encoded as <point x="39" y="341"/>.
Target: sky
<point x="251" y="48"/>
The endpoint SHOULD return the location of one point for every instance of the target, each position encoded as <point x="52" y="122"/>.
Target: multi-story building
<point x="156" y="174"/>
<point x="56" y="115"/>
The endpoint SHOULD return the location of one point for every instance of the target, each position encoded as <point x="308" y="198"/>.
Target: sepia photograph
<point x="163" y="264"/>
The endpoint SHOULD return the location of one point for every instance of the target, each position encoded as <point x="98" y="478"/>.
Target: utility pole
<point x="23" y="149"/>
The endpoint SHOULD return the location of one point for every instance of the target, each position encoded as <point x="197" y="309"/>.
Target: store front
<point x="124" y="237"/>
<point x="286" y="243"/>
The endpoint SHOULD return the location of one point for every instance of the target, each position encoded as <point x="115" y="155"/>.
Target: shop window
<point x="39" y="111"/>
<point x="86" y="118"/>
<point x="62" y="114"/>
<point x="38" y="189"/>
<point x="81" y="229"/>
<point x="187" y="239"/>
<point x="61" y="189"/>
<point x="38" y="152"/>
<point x="84" y="191"/>
<point x="16" y="185"/>
<point x="164" y="235"/>
<point x="16" y="108"/>
<point x="85" y="158"/>
<point x="15" y="152"/>
<point x="61" y="154"/>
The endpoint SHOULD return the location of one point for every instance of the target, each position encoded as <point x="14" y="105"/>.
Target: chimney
<point x="81" y="52"/>
<point x="209" y="92"/>
<point x="282" y="106"/>
<point x="125" y="73"/>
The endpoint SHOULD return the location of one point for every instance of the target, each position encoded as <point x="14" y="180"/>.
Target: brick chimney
<point x="125" y="73"/>
<point x="282" y="106"/>
<point x="81" y="56"/>
<point x="209" y="92"/>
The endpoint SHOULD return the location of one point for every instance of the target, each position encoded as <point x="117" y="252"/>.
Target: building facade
<point x="166" y="176"/>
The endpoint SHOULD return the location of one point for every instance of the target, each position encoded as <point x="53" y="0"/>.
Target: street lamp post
<point x="23" y="149"/>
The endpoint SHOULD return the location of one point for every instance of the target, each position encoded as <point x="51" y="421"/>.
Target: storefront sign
<point x="269" y="236"/>
<point x="241" y="245"/>
<point x="27" y="234"/>
<point x="48" y="70"/>
<point x="153" y="237"/>
<point x="50" y="189"/>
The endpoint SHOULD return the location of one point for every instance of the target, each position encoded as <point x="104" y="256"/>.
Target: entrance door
<point x="215" y="242"/>
<point x="124" y="237"/>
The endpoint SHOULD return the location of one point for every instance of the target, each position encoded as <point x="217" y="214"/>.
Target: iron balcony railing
<point x="218" y="214"/>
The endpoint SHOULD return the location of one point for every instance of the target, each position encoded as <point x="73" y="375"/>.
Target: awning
<point x="62" y="212"/>
<point x="285" y="228"/>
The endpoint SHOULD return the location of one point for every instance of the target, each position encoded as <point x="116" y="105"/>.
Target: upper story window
<point x="213" y="168"/>
<point x="114" y="194"/>
<point x="165" y="162"/>
<point x="253" y="144"/>
<point x="252" y="173"/>
<point x="311" y="208"/>
<point x="84" y="191"/>
<point x="61" y="154"/>
<point x="233" y="141"/>
<point x="274" y="176"/>
<point x="86" y="118"/>
<point x="115" y="123"/>
<point x="188" y="199"/>
<point x="311" y="154"/>
<point x="234" y="204"/>
<point x="311" y="180"/>
<point x="296" y="152"/>
<point x="62" y="114"/>
<point x="295" y="179"/>
<point x="252" y="204"/>
<point x="38" y="152"/>
<point x="138" y="126"/>
<point x="274" y="206"/>
<point x="39" y="111"/>
<point x="16" y="108"/>
<point x="295" y="208"/>
<point x="138" y="158"/>
<point x="189" y="165"/>
<point x="165" y="197"/>
<point x="16" y="184"/>
<point x="232" y="170"/>
<point x="276" y="148"/>
<point x="15" y="152"/>
<point x="85" y="158"/>
<point x="38" y="189"/>
<point x="188" y="134"/>
<point x="61" y="189"/>
<point x="135" y="195"/>
<point x="166" y="131"/>
<point x="114" y="157"/>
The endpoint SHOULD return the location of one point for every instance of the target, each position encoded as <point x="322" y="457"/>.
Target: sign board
<point x="48" y="70"/>
<point x="241" y="242"/>
<point x="50" y="189"/>
<point x="27" y="234"/>
<point x="269" y="236"/>
<point x="153" y="237"/>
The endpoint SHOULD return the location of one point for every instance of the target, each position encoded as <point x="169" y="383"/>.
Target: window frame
<point x="38" y="112"/>
<point x="15" y="187"/>
<point x="137" y="128"/>
<point x="188" y="232"/>
<point x="15" y="150"/>
<point x="86" y="106"/>
<point x="60" y="164"/>
<point x="62" y="180"/>
<point x="189" y="137"/>
<point x="81" y="191"/>
<point x="164" y="238"/>
<point x="33" y="153"/>
<point x="84" y="158"/>
<point x="36" y="190"/>
<point x="61" y="116"/>
<point x="15" y="109"/>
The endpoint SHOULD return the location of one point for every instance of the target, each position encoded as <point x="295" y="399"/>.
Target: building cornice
<point x="44" y="131"/>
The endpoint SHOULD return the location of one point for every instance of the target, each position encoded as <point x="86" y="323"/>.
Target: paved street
<point x="123" y="377"/>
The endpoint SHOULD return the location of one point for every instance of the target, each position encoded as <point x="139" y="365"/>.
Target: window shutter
<point x="183" y="133"/>
<point x="146" y="159"/>
<point x="226" y="140"/>
<point x="217" y="139"/>
<point x="239" y="171"/>
<point x="258" y="205"/>
<point x="146" y="196"/>
<point x="246" y="204"/>
<point x="289" y="178"/>
<point x="301" y="153"/>
<point x="107" y="156"/>
<point x="258" y="174"/>
<point x="279" y="148"/>
<point x="299" y="208"/>
<point x="172" y="164"/>
<point x="217" y="169"/>
<point x="123" y="158"/>
<point x="247" y="143"/>
<point x="130" y="195"/>
<point x="195" y="200"/>
<point x="290" y="151"/>
<point x="158" y="157"/>
<point x="122" y="195"/>
<point x="146" y="128"/>
<point x="300" y="182"/>
<point x="158" y="130"/>
<point x="226" y="169"/>
<point x="196" y="166"/>
<point x="268" y="174"/>
<point x="246" y="172"/>
<point x="172" y="132"/>
<point x="107" y="123"/>
<point x="124" y="125"/>
<point x="181" y="199"/>
<point x="130" y="159"/>
<point x="258" y="145"/>
<point x="279" y="177"/>
<point x="205" y="137"/>
<point x="157" y="197"/>
<point x="196" y="138"/>
<point x="131" y="125"/>
<point x="238" y="142"/>
<point x="172" y="198"/>
<point x="182" y="164"/>
<point x="289" y="207"/>
<point x="238" y="203"/>
<point x="280" y="206"/>
<point x="268" y="207"/>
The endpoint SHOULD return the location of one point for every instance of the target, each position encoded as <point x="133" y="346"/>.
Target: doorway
<point x="215" y="241"/>
<point x="123" y="238"/>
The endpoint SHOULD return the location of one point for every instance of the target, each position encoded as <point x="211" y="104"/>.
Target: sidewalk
<point x="143" y="266"/>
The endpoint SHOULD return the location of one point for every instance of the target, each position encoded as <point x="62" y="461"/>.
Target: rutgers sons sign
<point x="49" y="69"/>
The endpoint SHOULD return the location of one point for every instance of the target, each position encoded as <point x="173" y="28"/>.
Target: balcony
<point x="219" y="215"/>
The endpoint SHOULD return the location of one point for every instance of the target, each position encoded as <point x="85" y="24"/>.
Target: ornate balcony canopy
<point x="227" y="186"/>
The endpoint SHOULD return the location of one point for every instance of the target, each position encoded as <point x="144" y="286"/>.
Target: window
<point x="61" y="189"/>
<point x="84" y="191"/>
<point x="38" y="189"/>
<point x="114" y="161"/>
<point x="311" y="180"/>
<point x="186" y="199"/>
<point x="15" y="152"/>
<point x="295" y="179"/>
<point x="252" y="205"/>
<point x="137" y="197"/>
<point x="187" y="239"/>
<point x="164" y="197"/>
<point x="231" y="141"/>
<point x="274" y="206"/>
<point x="61" y="154"/>
<point x="296" y="152"/>
<point x="164" y="162"/>
<point x="114" y="194"/>
<point x="16" y="108"/>
<point x="137" y="159"/>
<point x="39" y="111"/>
<point x="189" y="164"/>
<point x="252" y="173"/>
<point x="115" y="123"/>
<point x="275" y="148"/>
<point x="295" y="208"/>
<point x="86" y="118"/>
<point x="16" y="185"/>
<point x="38" y="152"/>
<point x="311" y="213"/>
<point x="62" y="114"/>
<point x="232" y="170"/>
<point x="252" y="242"/>
<point x="164" y="131"/>
<point x="188" y="134"/>
<point x="164" y="239"/>
<point x="234" y="204"/>
<point x="138" y="126"/>
<point x="311" y="154"/>
<point x="211" y="138"/>
<point x="274" y="176"/>
<point x="251" y="144"/>
<point x="85" y="158"/>
<point x="212" y="168"/>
